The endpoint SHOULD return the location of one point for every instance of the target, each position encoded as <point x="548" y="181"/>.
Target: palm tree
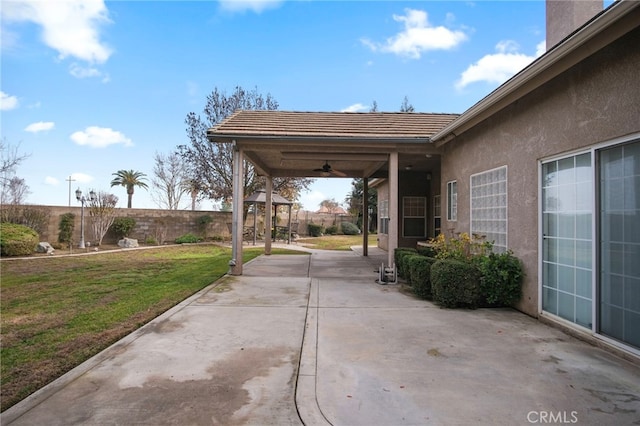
<point x="129" y="179"/>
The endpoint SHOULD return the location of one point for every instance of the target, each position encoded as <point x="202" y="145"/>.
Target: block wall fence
<point x="167" y="225"/>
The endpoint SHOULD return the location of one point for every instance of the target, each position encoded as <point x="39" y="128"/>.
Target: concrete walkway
<point x="312" y="339"/>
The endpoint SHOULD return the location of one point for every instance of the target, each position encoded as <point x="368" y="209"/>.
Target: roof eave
<point x="572" y="50"/>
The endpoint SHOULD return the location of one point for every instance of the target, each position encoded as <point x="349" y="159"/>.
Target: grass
<point x="59" y="311"/>
<point x="334" y="242"/>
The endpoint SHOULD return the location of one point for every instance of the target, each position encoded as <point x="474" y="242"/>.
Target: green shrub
<point x="65" y="227"/>
<point x="188" y="238"/>
<point x="501" y="278"/>
<point x="426" y="251"/>
<point x="203" y="224"/>
<point x="455" y="283"/>
<point x="349" y="228"/>
<point x="17" y="240"/>
<point x="151" y="241"/>
<point x="420" y="274"/>
<point x="315" y="230"/>
<point x="331" y="230"/>
<point x="122" y="226"/>
<point x="398" y="259"/>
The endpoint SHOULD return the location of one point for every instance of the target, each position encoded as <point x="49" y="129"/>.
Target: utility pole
<point x="70" y="180"/>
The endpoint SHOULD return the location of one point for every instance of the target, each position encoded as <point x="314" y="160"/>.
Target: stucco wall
<point x="594" y="102"/>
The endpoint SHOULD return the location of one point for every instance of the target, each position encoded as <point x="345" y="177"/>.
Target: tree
<point x="129" y="179"/>
<point x="102" y="212"/>
<point x="210" y="164"/>
<point x="13" y="189"/>
<point x="169" y="182"/>
<point x="355" y="202"/>
<point x="406" y="106"/>
<point x="330" y="205"/>
<point x="374" y="107"/>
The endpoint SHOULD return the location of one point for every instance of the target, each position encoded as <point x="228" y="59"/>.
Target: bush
<point x="398" y="259"/>
<point x="315" y="230"/>
<point x="349" y="228"/>
<point x="203" y="223"/>
<point x="331" y="230"/>
<point x="501" y="278"/>
<point x="455" y="283"/>
<point x="419" y="268"/>
<point x="66" y="228"/>
<point x="122" y="226"/>
<point x="426" y="251"/>
<point x="187" y="239"/>
<point x="17" y="240"/>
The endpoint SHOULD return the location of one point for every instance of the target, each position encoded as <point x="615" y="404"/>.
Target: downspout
<point x="393" y="206"/>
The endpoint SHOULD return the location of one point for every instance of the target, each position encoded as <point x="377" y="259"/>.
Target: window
<point x="436" y="216"/>
<point x="452" y="200"/>
<point x="619" y="220"/>
<point x="414" y="217"/>
<point x="489" y="207"/>
<point x="383" y="216"/>
<point x="567" y="215"/>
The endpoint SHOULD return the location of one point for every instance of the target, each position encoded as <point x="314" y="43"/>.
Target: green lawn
<point x="59" y="311"/>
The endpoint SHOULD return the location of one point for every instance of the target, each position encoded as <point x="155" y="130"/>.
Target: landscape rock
<point x="128" y="243"/>
<point x="44" y="247"/>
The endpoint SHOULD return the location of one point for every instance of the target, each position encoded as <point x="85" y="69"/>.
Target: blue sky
<point x="91" y="87"/>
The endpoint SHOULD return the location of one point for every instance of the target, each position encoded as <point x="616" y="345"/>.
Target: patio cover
<point x="359" y="145"/>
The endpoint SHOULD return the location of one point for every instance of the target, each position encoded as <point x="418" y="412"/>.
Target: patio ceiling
<point x="298" y="144"/>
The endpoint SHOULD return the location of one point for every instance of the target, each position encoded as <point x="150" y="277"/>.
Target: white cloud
<point x="257" y="6"/>
<point x="418" y="36"/>
<point x="312" y="200"/>
<point x="356" y="108"/>
<point x="7" y="102"/>
<point x="497" y="67"/>
<point x="71" y="27"/>
<point x="81" y="178"/>
<point x="100" y="137"/>
<point x="51" y="181"/>
<point x="40" y="126"/>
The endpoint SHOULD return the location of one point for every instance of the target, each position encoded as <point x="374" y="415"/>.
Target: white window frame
<point x="383" y="217"/>
<point x="488" y="201"/>
<point x="409" y="212"/>
<point x="452" y="200"/>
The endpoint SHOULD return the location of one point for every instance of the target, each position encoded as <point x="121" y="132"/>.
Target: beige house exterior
<point x="547" y="165"/>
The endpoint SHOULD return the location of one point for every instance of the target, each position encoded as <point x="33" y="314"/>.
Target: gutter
<point x="575" y="48"/>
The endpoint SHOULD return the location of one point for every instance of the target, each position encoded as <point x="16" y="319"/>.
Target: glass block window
<point x="452" y="200"/>
<point x="414" y="217"/>
<point x="383" y="216"/>
<point x="489" y="206"/>
<point x="437" y="220"/>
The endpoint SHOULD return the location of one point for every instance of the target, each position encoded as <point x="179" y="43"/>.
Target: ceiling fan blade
<point x="338" y="173"/>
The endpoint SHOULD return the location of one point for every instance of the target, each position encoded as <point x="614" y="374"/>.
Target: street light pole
<point x="83" y="200"/>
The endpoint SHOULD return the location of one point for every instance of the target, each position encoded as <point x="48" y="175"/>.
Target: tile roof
<point x="373" y="125"/>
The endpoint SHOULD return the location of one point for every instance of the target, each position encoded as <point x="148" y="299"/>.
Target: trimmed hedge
<point x="188" y="239"/>
<point x="502" y="276"/>
<point x="398" y="258"/>
<point x="455" y="283"/>
<point x="17" y="240"/>
<point x="315" y="230"/>
<point x="420" y="274"/>
<point x="349" y="228"/>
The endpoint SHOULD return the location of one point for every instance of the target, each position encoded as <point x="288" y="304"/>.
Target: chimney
<point x="565" y="16"/>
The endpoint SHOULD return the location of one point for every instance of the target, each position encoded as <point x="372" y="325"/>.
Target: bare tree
<point x="406" y="106"/>
<point x="374" y="107"/>
<point x="210" y="164"/>
<point x="13" y="190"/>
<point x="169" y="183"/>
<point x="102" y="212"/>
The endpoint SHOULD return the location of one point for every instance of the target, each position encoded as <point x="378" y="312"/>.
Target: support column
<point x="365" y="216"/>
<point x="268" y="210"/>
<point x="237" y="216"/>
<point x="393" y="206"/>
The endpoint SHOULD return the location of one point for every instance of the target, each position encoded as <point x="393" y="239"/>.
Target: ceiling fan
<point x="326" y="171"/>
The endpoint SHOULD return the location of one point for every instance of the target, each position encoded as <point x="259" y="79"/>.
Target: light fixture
<point x="83" y="200"/>
<point x="409" y="167"/>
